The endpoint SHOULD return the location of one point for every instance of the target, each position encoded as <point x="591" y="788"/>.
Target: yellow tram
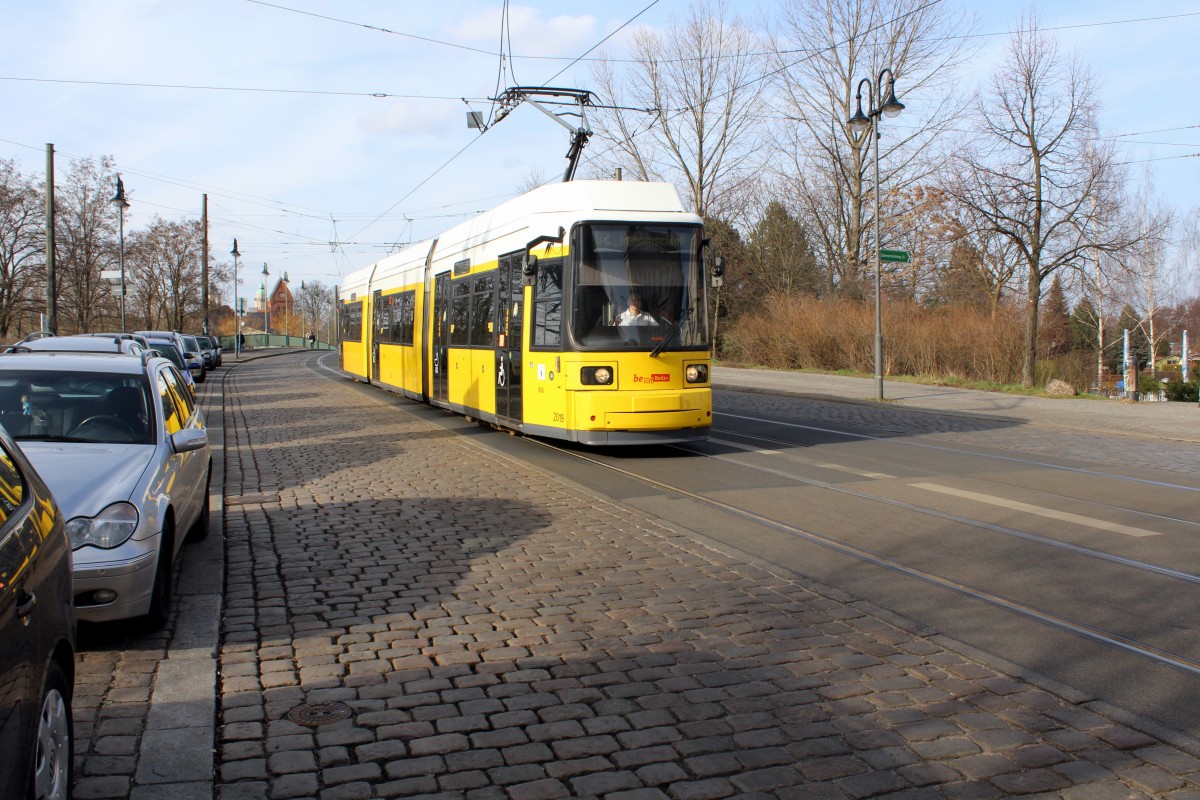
<point x="522" y="316"/>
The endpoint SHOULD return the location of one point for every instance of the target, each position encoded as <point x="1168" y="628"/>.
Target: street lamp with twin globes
<point x="860" y="123"/>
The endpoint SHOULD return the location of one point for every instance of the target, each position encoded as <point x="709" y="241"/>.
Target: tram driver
<point x="632" y="317"/>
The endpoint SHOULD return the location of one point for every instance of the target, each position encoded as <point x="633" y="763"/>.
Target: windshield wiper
<point x="45" y="437"/>
<point x="671" y="334"/>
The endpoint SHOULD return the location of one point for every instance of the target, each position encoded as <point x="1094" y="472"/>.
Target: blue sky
<point x="288" y="172"/>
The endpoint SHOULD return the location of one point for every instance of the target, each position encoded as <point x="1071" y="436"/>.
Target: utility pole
<point x="204" y="259"/>
<point x="51" y="287"/>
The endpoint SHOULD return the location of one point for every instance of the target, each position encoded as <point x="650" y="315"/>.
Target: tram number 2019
<point x="559" y="416"/>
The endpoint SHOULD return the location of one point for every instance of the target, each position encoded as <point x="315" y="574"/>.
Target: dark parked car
<point x="37" y="631"/>
<point x="215" y="341"/>
<point x="208" y="352"/>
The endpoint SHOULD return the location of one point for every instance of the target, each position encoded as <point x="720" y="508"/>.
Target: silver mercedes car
<point x="121" y="443"/>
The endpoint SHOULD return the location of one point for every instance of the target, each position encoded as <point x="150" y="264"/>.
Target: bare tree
<point x="314" y="305"/>
<point x="822" y="48"/>
<point x="1036" y="174"/>
<point x="1150" y="278"/>
<point x="167" y="274"/>
<point x="702" y="78"/>
<point x="85" y="243"/>
<point x="22" y="248"/>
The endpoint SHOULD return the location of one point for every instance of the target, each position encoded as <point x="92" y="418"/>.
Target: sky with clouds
<point x="314" y="156"/>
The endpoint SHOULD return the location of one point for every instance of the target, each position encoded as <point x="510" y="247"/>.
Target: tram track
<point x="944" y="448"/>
<point x="973" y="454"/>
<point x="1096" y="634"/>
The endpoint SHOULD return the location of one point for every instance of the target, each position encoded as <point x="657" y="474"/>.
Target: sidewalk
<point x="1173" y="421"/>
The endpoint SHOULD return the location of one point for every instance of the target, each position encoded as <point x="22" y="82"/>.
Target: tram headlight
<point x="696" y="373"/>
<point x="596" y="376"/>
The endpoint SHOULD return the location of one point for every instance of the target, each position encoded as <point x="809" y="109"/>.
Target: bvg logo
<point x="658" y="377"/>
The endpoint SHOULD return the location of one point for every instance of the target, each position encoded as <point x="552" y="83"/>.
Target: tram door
<point x="509" y="308"/>
<point x="440" y="339"/>
<point x="376" y="325"/>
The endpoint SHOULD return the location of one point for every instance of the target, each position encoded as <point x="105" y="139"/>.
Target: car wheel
<point x="51" y="778"/>
<point x="203" y="376"/>
<point x="160" y="597"/>
<point x="199" y="529"/>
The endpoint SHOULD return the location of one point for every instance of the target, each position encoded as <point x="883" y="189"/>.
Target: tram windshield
<point x="638" y="286"/>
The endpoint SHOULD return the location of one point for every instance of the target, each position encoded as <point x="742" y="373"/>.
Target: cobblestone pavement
<point x="491" y="631"/>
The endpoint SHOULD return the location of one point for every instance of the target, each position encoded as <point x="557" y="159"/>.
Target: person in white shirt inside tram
<point x="634" y="314"/>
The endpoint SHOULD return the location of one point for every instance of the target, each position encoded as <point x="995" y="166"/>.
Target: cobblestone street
<point x="407" y="613"/>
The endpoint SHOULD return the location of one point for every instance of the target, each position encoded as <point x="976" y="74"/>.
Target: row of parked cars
<point x="105" y="470"/>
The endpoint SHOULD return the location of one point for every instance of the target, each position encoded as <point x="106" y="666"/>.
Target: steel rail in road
<point x="1090" y="632"/>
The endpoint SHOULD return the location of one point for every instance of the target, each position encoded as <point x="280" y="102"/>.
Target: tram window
<point x="460" y="314"/>
<point x="396" y="317"/>
<point x="407" y="321"/>
<point x="483" y="295"/>
<point x="547" y="308"/>
<point x="383" y="318"/>
<point x="352" y="314"/>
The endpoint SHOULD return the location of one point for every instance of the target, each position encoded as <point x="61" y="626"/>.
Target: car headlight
<point x="596" y="376"/>
<point x="110" y="528"/>
<point x="696" y="373"/>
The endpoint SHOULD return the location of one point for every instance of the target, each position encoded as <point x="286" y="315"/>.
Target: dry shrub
<point x="948" y="343"/>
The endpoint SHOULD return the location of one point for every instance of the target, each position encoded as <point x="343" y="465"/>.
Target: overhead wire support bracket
<point x="514" y="96"/>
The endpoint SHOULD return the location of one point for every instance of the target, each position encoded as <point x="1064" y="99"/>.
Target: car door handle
<point x="25" y="603"/>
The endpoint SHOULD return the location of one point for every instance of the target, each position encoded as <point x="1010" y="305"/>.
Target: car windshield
<point x="76" y="406"/>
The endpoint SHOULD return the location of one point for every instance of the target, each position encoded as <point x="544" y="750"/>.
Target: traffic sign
<point x="893" y="256"/>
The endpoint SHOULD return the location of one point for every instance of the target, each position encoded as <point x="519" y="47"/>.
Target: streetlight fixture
<point x="287" y="317"/>
<point x="119" y="201"/>
<point x="266" y="303"/>
<point x="860" y="123"/>
<point x="237" y="305"/>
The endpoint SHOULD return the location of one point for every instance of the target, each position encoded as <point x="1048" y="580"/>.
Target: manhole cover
<point x="319" y="713"/>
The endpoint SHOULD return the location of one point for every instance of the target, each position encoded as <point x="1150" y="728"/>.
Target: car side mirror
<point x="189" y="439"/>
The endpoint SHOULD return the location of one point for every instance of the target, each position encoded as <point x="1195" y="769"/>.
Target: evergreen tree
<point x="1054" y="328"/>
<point x="1084" y="322"/>
<point x="1139" y="345"/>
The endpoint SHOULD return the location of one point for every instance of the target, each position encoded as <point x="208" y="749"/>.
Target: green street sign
<point x="893" y="256"/>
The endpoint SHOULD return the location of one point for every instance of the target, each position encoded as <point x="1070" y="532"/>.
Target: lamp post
<point x="860" y="124"/>
<point x="287" y="317"/>
<point x="266" y="303"/>
<point x="118" y="200"/>
<point x="237" y="306"/>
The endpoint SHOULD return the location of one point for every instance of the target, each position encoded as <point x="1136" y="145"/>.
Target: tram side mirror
<point x="718" y="267"/>
<point x="529" y="268"/>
